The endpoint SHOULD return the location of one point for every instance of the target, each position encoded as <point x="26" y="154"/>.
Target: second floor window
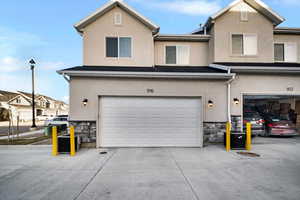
<point x="178" y="55"/>
<point x="244" y="44"/>
<point x="285" y="52"/>
<point x="118" y="47"/>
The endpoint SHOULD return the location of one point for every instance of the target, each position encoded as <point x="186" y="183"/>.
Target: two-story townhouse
<point x="138" y="87"/>
<point x="20" y="105"/>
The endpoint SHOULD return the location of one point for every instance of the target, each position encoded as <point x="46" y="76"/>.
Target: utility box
<point x="64" y="144"/>
<point x="237" y="140"/>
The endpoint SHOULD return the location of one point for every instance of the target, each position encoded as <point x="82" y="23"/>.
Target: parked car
<point x="256" y="121"/>
<point x="57" y="121"/>
<point x="279" y="126"/>
<point x="63" y="116"/>
<point x="44" y="117"/>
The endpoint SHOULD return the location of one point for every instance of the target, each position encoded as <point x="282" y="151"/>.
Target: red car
<point x="279" y="126"/>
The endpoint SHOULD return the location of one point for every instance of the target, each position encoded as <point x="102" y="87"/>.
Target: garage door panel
<point x="138" y="121"/>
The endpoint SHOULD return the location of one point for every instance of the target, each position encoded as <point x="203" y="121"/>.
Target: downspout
<point x="66" y="78"/>
<point x="229" y="95"/>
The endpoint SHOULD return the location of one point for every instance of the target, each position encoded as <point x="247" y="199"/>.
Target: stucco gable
<point x="109" y="6"/>
<point x="256" y="5"/>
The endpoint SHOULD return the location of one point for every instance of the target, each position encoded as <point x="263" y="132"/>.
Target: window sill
<point x="118" y="58"/>
<point x="176" y="65"/>
<point x="286" y="61"/>
<point x="244" y="56"/>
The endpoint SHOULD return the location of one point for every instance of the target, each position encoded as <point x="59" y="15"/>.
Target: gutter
<point x="266" y="69"/>
<point x="65" y="77"/>
<point x="177" y="75"/>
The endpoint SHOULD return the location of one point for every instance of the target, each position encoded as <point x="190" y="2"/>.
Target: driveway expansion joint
<point x="97" y="172"/>
<point x="185" y="178"/>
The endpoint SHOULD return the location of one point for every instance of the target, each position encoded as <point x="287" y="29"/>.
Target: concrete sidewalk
<point x="23" y="134"/>
<point x="30" y="172"/>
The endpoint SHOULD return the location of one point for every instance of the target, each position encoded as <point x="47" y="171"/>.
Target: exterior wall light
<point x="210" y="103"/>
<point x="236" y="101"/>
<point x="85" y="102"/>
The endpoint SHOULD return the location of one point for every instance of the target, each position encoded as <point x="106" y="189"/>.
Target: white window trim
<point x="176" y="45"/>
<point x="284" y="44"/>
<point x="118" y="58"/>
<point x="243" y="55"/>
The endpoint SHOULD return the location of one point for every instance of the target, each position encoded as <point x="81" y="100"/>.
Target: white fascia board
<point x="148" y="74"/>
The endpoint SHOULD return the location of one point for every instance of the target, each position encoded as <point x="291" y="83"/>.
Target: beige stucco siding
<point x="264" y="85"/>
<point x="92" y="88"/>
<point x="230" y="23"/>
<point x="198" y="52"/>
<point x="287" y="39"/>
<point x="94" y="50"/>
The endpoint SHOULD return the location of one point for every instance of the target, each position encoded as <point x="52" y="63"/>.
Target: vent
<point x="244" y="14"/>
<point x="118" y="19"/>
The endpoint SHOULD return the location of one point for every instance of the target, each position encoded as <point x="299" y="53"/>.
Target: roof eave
<point x="266" y="70"/>
<point x="191" y="37"/>
<point x="177" y="75"/>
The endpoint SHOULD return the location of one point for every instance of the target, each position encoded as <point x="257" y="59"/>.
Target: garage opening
<point x="272" y="115"/>
<point x="150" y="122"/>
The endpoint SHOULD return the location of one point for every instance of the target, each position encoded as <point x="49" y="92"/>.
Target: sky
<point x="43" y="30"/>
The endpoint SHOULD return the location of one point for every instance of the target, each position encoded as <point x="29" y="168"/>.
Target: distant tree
<point x="4" y="114"/>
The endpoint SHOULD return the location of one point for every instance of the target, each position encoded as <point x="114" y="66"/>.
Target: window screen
<point x="125" y="47"/>
<point x="112" y="47"/>
<point x="237" y="44"/>
<point x="279" y="52"/>
<point x="170" y="54"/>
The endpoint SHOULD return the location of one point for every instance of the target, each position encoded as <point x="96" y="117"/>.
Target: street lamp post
<point x="32" y="64"/>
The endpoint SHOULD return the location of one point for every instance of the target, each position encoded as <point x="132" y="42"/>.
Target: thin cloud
<point x="11" y="64"/>
<point x="187" y="7"/>
<point x="13" y="42"/>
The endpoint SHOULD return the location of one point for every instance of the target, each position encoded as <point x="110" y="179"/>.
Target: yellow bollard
<point x="248" y="137"/>
<point x="54" y="141"/>
<point x="72" y="141"/>
<point x="228" y="130"/>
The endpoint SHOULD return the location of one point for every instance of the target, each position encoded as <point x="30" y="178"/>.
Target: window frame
<point x="177" y="45"/>
<point x="284" y="52"/>
<point x="243" y="55"/>
<point x="118" y="57"/>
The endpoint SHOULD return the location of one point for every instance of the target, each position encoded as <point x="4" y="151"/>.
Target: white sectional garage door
<point x="150" y="122"/>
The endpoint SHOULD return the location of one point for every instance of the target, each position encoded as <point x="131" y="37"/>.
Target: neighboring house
<point x="138" y="87"/>
<point x="5" y="96"/>
<point x="20" y="104"/>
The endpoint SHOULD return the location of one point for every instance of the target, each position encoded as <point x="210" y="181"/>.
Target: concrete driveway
<point x="29" y="172"/>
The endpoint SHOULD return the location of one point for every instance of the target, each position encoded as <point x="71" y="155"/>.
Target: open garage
<point x="272" y="115"/>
